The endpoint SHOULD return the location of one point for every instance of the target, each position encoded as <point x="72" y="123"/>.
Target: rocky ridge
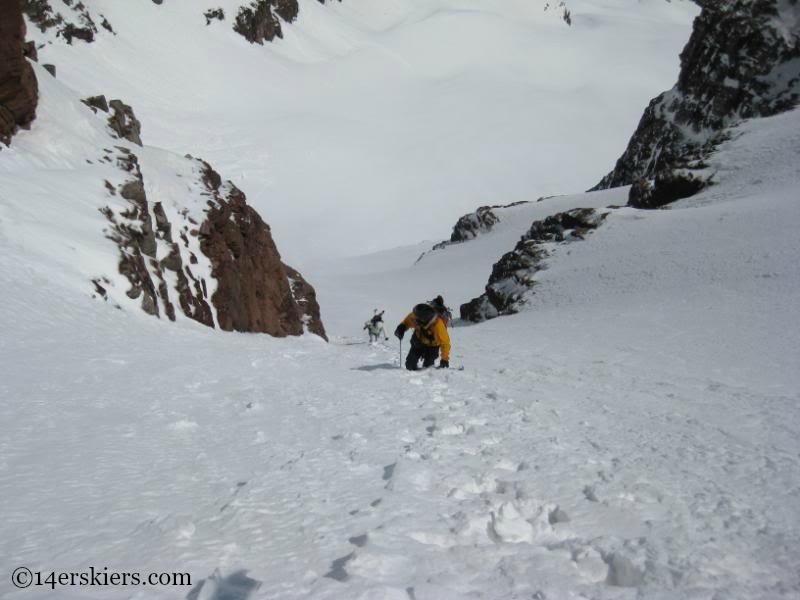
<point x="471" y="225"/>
<point x="742" y="61"/>
<point x="512" y="276"/>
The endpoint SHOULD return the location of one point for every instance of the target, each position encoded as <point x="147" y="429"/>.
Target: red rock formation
<point x="256" y="292"/>
<point x="18" y="86"/>
<point x="161" y="255"/>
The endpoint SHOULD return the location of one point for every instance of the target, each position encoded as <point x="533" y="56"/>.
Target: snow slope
<point x="56" y="178"/>
<point x="634" y="433"/>
<point x="426" y="108"/>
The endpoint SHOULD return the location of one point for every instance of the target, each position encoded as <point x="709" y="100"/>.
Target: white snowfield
<point x="634" y="432"/>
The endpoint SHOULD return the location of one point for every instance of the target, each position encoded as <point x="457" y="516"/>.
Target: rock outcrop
<point x="138" y="238"/>
<point x="121" y="118"/>
<point x="255" y="290"/>
<point x="471" y="225"/>
<point x="259" y="21"/>
<point x="74" y="24"/>
<point x="215" y="262"/>
<point x="306" y="299"/>
<point x="214" y="14"/>
<point x="512" y="275"/>
<point x="742" y="61"/>
<point x="666" y="187"/>
<point x="18" y="85"/>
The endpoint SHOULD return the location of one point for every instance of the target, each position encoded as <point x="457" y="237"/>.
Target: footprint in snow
<point x="359" y="540"/>
<point x="338" y="571"/>
<point x="589" y="493"/>
<point x="236" y="586"/>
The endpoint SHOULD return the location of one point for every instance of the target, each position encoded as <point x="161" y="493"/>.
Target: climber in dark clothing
<point x="429" y="338"/>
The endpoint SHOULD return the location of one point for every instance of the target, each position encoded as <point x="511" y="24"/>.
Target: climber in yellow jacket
<point x="430" y="336"/>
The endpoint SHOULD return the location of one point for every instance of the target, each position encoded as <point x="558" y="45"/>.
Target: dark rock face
<point x="18" y="86"/>
<point x="256" y="292"/>
<point x="470" y="225"/>
<point x="258" y="22"/>
<point x="70" y="32"/>
<point x="96" y="103"/>
<point x="512" y="275"/>
<point x="121" y="119"/>
<point x="124" y="122"/>
<point x="286" y="9"/>
<point x="742" y="61"/>
<point x="667" y="187"/>
<point x="214" y="14"/>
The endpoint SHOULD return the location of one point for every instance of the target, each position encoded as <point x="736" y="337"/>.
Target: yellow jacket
<point x="435" y="335"/>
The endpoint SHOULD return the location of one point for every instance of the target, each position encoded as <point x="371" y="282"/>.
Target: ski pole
<point x="400" y="362"/>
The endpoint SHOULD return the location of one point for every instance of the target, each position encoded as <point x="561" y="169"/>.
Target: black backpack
<point x="444" y="312"/>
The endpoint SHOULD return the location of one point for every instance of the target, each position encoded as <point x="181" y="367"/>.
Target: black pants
<point x="419" y="351"/>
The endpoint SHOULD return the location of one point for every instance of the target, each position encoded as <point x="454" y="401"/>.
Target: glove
<point x="400" y="331"/>
<point x="444" y="364"/>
